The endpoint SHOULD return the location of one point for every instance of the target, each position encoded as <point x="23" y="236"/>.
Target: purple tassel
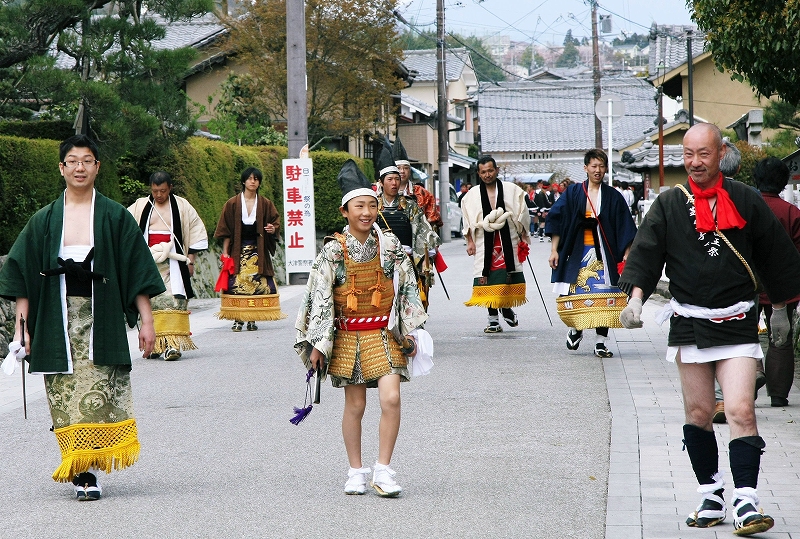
<point x="301" y="413"/>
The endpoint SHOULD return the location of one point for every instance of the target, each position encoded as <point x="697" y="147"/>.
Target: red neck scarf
<point x="727" y="214"/>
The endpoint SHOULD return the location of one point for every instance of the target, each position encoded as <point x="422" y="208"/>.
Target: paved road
<point x="511" y="435"/>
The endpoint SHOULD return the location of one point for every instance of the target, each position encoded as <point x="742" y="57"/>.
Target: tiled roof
<point x="195" y="33"/>
<point x="545" y="73"/>
<point x="414" y="103"/>
<point x="668" y="50"/>
<point x="424" y="63"/>
<point x="646" y="156"/>
<point x="559" y="115"/>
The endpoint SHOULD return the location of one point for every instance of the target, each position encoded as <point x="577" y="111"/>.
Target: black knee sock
<point x="702" y="448"/>
<point x="745" y="459"/>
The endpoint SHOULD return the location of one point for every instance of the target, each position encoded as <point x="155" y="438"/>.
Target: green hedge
<point x="30" y="178"/>
<point x="39" y="129"/>
<point x="327" y="195"/>
<point x="205" y="172"/>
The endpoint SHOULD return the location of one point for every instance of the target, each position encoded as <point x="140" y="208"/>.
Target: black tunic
<point x="703" y="271"/>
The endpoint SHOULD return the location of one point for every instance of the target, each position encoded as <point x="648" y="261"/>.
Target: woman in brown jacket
<point x="249" y="227"/>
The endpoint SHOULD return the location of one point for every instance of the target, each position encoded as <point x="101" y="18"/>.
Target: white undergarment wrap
<point x="248" y="218"/>
<point x="691" y="354"/>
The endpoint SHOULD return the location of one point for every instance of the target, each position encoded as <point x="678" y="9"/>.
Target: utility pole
<point x="660" y="137"/>
<point x="296" y="115"/>
<point x="690" y="66"/>
<point x="598" y="125"/>
<point x="444" y="143"/>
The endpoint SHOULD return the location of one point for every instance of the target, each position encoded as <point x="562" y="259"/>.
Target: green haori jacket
<point x="120" y="255"/>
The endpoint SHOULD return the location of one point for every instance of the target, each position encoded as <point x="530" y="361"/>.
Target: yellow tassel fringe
<point x="106" y="446"/>
<point x="498" y="296"/>
<point x="250" y="308"/>
<point x="585" y="311"/>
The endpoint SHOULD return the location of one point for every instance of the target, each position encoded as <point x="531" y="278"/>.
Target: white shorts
<point x="691" y="354"/>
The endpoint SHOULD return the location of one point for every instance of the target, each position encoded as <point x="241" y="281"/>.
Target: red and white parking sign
<point x="298" y="215"/>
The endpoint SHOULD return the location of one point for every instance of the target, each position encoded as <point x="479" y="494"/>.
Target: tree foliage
<point x="569" y="40"/>
<point x="531" y="59"/>
<point x="756" y="40"/>
<point x="485" y="68"/>
<point x="570" y="56"/>
<point x="782" y="114"/>
<point x="351" y="52"/>
<point x="106" y="61"/>
<point x="418" y="40"/>
<point x="238" y="117"/>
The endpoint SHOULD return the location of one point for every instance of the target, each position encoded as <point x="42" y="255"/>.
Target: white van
<point x="453" y="211"/>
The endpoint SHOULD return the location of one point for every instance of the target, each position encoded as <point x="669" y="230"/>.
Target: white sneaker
<point x="356" y="480"/>
<point x="383" y="481"/>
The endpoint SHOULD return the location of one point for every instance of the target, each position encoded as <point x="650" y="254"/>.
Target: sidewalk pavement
<point x="651" y="486"/>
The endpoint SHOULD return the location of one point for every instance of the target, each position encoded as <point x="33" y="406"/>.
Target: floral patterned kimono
<point x="361" y="301"/>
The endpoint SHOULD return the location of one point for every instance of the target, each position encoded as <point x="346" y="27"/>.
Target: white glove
<point x="631" y="316"/>
<point x="779" y="326"/>
<point x="15" y="354"/>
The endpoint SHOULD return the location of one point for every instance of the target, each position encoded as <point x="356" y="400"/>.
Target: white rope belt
<point x="495" y="220"/>
<point x="734" y="312"/>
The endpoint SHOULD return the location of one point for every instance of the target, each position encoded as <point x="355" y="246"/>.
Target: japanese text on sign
<point x="298" y="215"/>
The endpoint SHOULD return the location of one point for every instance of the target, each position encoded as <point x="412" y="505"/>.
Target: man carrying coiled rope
<point x="496" y="224"/>
<point x="175" y="234"/>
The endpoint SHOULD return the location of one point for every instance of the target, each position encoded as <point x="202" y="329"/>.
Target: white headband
<point x="402" y="162"/>
<point x="388" y="170"/>
<point x="362" y="191"/>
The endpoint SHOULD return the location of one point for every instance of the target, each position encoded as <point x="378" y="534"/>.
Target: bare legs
<point x="355" y="402"/>
<point x="736" y="377"/>
<point x="389" y="394"/>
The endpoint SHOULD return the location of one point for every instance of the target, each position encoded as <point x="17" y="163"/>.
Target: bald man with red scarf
<point x="714" y="235"/>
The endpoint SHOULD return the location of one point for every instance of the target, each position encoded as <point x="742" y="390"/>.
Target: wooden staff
<point x="22" y="343"/>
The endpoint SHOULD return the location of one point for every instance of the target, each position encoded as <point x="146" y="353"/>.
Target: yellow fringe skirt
<point x="501" y="290"/>
<point x="92" y="408"/>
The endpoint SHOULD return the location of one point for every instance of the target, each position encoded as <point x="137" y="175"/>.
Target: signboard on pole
<point x="298" y="215"/>
<point x="610" y="108"/>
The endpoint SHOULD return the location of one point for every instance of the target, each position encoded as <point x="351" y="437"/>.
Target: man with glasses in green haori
<point x="79" y="270"/>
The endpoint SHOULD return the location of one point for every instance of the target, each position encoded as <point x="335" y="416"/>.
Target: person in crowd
<point x="496" y="227"/>
<point x="771" y="176"/>
<point x="175" y="233"/>
<point x="405" y="219"/>
<point x="463" y="191"/>
<point x="249" y="228"/>
<point x="360" y="322"/>
<point x="543" y="201"/>
<point x="591" y="230"/>
<point x="424" y="198"/>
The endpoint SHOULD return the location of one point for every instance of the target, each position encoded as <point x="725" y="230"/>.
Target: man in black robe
<point x="714" y="234"/>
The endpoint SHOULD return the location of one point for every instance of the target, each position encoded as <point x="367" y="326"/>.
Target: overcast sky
<point x="544" y="21"/>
